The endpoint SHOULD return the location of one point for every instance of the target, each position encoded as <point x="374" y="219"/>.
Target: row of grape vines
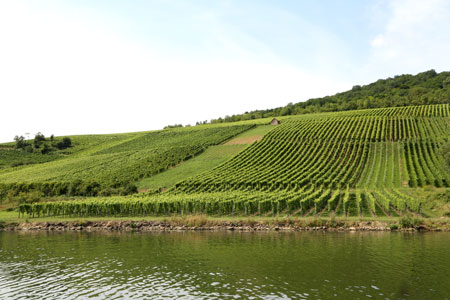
<point x="307" y="202"/>
<point x="118" y="166"/>
<point x="437" y="110"/>
<point x="333" y="152"/>
<point x="363" y="128"/>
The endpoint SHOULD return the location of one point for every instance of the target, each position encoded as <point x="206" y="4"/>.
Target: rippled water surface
<point x="224" y="265"/>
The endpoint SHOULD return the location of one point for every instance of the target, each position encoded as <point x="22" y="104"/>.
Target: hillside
<point x="374" y="151"/>
<point x="212" y="157"/>
<point x="405" y="90"/>
<point x="107" y="164"/>
<point x="390" y="147"/>
<point x="362" y="163"/>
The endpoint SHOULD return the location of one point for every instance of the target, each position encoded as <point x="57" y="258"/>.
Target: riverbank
<point x="205" y="223"/>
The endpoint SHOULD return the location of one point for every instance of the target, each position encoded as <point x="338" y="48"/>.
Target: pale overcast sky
<point x="79" y="67"/>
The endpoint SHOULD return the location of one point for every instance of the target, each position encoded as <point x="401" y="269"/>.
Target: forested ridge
<point x="424" y="88"/>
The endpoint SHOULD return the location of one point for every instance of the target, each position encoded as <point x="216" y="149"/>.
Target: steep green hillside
<point x="390" y="147"/>
<point x="110" y="164"/>
<point x="366" y="163"/>
<point x="10" y="156"/>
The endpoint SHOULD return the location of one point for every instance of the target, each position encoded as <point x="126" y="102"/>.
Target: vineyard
<point x="391" y="147"/>
<point x="116" y="164"/>
<point x="307" y="202"/>
<point x="365" y="163"/>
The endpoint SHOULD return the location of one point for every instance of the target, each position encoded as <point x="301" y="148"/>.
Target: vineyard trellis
<point x="374" y="148"/>
<point x="318" y="202"/>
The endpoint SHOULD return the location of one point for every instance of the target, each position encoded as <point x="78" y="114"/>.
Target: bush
<point x="128" y="189"/>
<point x="46" y="149"/>
<point x="407" y="221"/>
<point x="20" y="142"/>
<point x="393" y="226"/>
<point x="39" y="138"/>
<point x="64" y="144"/>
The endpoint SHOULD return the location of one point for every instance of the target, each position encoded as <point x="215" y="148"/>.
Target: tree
<point x="39" y="138"/>
<point x="173" y="126"/>
<point x="65" y="143"/>
<point x="20" y="142"/>
<point x="46" y="149"/>
<point x="446" y="82"/>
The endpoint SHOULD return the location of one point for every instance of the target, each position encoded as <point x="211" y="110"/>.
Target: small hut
<point x="275" y="122"/>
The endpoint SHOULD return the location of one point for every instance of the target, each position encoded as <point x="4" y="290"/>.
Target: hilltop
<point x="404" y="90"/>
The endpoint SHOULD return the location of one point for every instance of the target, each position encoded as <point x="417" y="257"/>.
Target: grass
<point x="260" y="130"/>
<point x="251" y="136"/>
<point x="393" y="223"/>
<point x="437" y="200"/>
<point x="213" y="156"/>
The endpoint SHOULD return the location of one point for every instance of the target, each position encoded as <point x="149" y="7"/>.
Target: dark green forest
<point x="424" y="88"/>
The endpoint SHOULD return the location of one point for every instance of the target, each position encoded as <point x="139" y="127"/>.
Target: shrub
<point x="64" y="144"/>
<point x="407" y="221"/>
<point x="393" y="226"/>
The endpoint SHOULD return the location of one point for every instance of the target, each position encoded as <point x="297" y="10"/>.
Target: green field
<point x="373" y="163"/>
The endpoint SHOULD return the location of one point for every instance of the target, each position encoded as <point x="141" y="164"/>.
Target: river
<point x="224" y="265"/>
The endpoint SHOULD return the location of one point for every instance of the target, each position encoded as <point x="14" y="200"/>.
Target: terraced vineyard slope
<point x="212" y="157"/>
<point x="115" y="162"/>
<point x="367" y="163"/>
<point x="380" y="148"/>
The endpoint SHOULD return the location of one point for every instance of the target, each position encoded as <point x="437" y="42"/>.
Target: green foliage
<point x="173" y="126"/>
<point x="40" y="144"/>
<point x="408" y="221"/>
<point x="445" y="151"/>
<point x="39" y="139"/>
<point x="336" y="150"/>
<point x="422" y="89"/>
<point x="353" y="164"/>
<point x="212" y="157"/>
<point x="114" y="168"/>
<point x="12" y="158"/>
<point x="21" y="143"/>
<point x="216" y="203"/>
<point x="64" y="144"/>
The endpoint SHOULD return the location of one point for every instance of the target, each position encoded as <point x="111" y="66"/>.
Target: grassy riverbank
<point x="11" y="221"/>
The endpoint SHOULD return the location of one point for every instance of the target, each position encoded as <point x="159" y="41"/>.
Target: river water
<point x="224" y="265"/>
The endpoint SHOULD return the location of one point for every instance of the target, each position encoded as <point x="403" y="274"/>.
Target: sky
<point x="109" y="66"/>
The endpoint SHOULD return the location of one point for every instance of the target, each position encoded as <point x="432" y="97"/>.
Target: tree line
<point x="40" y="144"/>
<point x="424" y="88"/>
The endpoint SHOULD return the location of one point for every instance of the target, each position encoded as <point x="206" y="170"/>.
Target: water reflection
<point x="224" y="265"/>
